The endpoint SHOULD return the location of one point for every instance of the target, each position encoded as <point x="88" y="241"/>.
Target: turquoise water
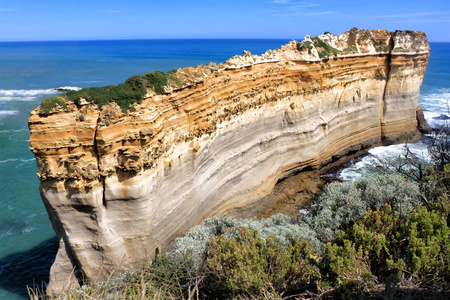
<point x="29" y="72"/>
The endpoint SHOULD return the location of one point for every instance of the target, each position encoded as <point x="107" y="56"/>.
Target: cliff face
<point x="118" y="186"/>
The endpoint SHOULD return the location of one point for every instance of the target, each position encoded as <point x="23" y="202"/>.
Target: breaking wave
<point x="8" y="112"/>
<point x="30" y="95"/>
<point x="436" y="107"/>
<point x="362" y="167"/>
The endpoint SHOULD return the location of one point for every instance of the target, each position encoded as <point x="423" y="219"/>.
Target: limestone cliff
<point x="119" y="185"/>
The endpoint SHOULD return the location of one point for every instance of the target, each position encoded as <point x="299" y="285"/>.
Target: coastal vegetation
<point x="125" y="94"/>
<point x="50" y="104"/>
<point x="381" y="237"/>
<point x="323" y="49"/>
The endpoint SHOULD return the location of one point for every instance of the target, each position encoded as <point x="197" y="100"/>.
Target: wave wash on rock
<point x="118" y="186"/>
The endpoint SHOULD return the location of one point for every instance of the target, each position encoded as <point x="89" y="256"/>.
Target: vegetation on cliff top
<point x="125" y="94"/>
<point x="49" y="104"/>
<point x="323" y="49"/>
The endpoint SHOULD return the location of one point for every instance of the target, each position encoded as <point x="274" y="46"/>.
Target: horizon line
<point x="139" y="39"/>
<point x="158" y="39"/>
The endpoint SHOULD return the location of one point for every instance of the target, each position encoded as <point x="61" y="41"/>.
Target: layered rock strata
<point x="119" y="186"/>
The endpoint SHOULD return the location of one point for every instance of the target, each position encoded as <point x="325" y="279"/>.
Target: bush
<point x="246" y="264"/>
<point x="131" y="91"/>
<point x="342" y="263"/>
<point x="156" y="80"/>
<point x="47" y="105"/>
<point x="343" y="203"/>
<point x="282" y="228"/>
<point x="418" y="244"/>
<point x="237" y="263"/>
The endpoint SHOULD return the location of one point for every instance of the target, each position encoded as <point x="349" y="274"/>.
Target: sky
<point x="44" y="20"/>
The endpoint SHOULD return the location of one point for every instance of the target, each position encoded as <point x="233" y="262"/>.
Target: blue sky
<point x="37" y="20"/>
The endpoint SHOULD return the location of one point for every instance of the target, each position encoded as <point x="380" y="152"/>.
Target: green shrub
<point x="246" y="264"/>
<point x="418" y="244"/>
<point x="174" y="279"/>
<point x="131" y="91"/>
<point x="171" y="76"/>
<point x="156" y="80"/>
<point x="342" y="263"/>
<point x="283" y="228"/>
<point x="371" y="237"/>
<point x="47" y="105"/>
<point x="436" y="186"/>
<point x="424" y="244"/>
<point x="237" y="263"/>
<point x="343" y="203"/>
<point x="327" y="48"/>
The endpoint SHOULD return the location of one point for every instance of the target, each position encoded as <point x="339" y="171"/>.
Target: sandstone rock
<point x="422" y="123"/>
<point x="119" y="186"/>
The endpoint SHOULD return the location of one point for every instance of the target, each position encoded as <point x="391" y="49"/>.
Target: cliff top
<point x="327" y="46"/>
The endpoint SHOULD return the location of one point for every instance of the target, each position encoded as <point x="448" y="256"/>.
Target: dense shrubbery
<point x="248" y="265"/>
<point x="342" y="204"/>
<point x="49" y="104"/>
<point x="125" y="94"/>
<point x="338" y="206"/>
<point x="384" y="243"/>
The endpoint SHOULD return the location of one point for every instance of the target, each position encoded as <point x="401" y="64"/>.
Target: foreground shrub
<point x="246" y="264"/>
<point x="417" y="244"/>
<point x="281" y="228"/>
<point x="436" y="186"/>
<point x="343" y="203"/>
<point x="175" y="279"/>
<point x="238" y="263"/>
<point x="343" y="263"/>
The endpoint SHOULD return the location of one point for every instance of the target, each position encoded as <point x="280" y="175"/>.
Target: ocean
<point x="31" y="71"/>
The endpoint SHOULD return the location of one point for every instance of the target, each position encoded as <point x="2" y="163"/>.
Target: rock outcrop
<point x="118" y="186"/>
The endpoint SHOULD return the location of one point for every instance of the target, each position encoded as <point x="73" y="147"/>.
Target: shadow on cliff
<point x="30" y="268"/>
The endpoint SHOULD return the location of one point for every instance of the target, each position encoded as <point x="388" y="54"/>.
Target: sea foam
<point x="30" y="95"/>
<point x="8" y="112"/>
<point x="362" y="167"/>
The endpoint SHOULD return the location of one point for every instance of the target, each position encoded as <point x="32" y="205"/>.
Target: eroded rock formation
<point x="117" y="186"/>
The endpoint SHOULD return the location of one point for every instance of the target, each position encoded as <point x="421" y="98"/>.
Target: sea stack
<point x="118" y="186"/>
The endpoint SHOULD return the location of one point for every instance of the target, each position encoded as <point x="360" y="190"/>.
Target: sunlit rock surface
<point x="118" y="186"/>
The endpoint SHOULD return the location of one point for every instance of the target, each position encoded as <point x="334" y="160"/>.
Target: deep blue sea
<point x="30" y="71"/>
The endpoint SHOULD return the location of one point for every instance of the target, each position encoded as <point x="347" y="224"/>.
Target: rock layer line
<point x="118" y="186"/>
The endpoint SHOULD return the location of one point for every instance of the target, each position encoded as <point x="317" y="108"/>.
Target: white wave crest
<point x="68" y="88"/>
<point x="28" y="229"/>
<point x="361" y="168"/>
<point x="30" y="95"/>
<point x="22" y="93"/>
<point x="8" y="112"/>
<point x="436" y="107"/>
<point x="13" y="130"/>
<point x="21" y="160"/>
<point x="436" y="119"/>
